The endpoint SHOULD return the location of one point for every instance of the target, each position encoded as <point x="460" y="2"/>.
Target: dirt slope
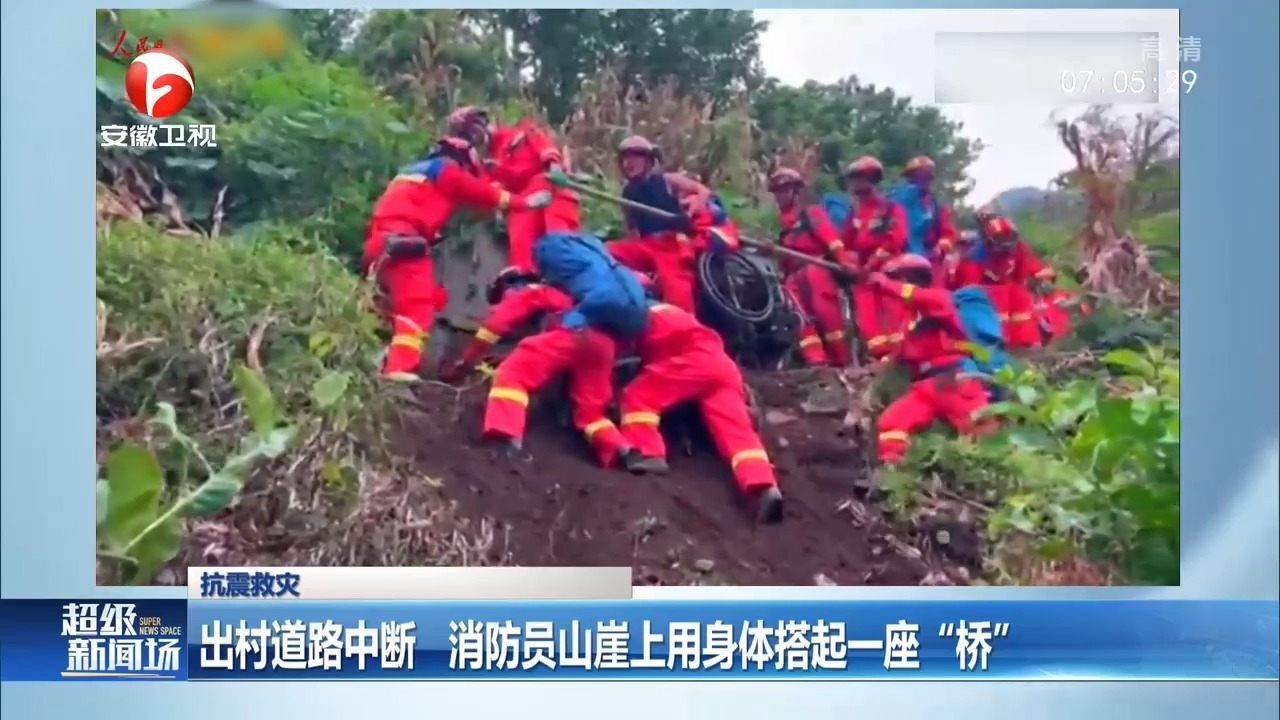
<point x="688" y="527"/>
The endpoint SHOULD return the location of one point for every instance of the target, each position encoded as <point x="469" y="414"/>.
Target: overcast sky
<point x="894" y="48"/>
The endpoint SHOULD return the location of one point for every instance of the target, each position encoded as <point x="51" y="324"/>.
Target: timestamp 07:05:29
<point x="1121" y="82"/>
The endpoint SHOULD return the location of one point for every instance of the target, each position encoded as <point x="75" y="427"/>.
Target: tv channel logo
<point x="159" y="83"/>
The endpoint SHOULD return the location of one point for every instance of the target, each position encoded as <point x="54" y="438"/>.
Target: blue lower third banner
<point x="642" y="640"/>
<point x="93" y="640"/>
<point x="733" y="640"/>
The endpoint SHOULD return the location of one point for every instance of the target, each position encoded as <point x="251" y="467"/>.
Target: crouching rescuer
<point x="681" y="361"/>
<point x="586" y="355"/>
<point x="952" y="345"/>
<point x="406" y="223"/>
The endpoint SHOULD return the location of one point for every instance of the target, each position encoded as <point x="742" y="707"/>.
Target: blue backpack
<point x="718" y="213"/>
<point x="837" y="207"/>
<point x="922" y="217"/>
<point x="606" y="295"/>
<point x="985" y="334"/>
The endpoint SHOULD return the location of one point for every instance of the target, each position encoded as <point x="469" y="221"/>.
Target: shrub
<point x="237" y="414"/>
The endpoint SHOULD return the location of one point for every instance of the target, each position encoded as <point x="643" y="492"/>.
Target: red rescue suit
<point x="1007" y="277"/>
<point x="933" y="348"/>
<point x="682" y="360"/>
<point x="419" y="205"/>
<point x="1054" y="315"/>
<point x="875" y="233"/>
<point x="809" y="230"/>
<point x="587" y="357"/>
<point x="520" y="156"/>
<point x="940" y="239"/>
<point x="668" y="248"/>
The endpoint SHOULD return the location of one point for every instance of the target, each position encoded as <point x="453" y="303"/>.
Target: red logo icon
<point x="159" y="83"/>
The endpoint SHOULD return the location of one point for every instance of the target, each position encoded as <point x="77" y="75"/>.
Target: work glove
<point x="539" y="199"/>
<point x="950" y="264"/>
<point x="557" y="176"/>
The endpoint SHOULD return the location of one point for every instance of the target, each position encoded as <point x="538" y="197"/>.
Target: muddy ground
<point x="688" y="527"/>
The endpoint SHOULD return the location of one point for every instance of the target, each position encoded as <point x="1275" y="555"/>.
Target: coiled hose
<point x="736" y="286"/>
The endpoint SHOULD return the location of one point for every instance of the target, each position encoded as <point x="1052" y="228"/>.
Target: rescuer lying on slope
<point x="586" y="355"/>
<point x="681" y="361"/>
<point x="406" y="223"/>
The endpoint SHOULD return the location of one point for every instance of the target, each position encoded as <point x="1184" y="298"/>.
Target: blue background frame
<point x="1231" y="130"/>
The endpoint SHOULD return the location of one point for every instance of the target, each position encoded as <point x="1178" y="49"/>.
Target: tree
<point x="1115" y="263"/>
<point x="846" y="119"/>
<point x="327" y="34"/>
<point x="712" y="52"/>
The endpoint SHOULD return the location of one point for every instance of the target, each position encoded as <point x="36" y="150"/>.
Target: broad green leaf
<point x="320" y="344"/>
<point x="1027" y="395"/>
<point x="269" y="170"/>
<point x="103" y="491"/>
<point x="151" y="552"/>
<point x="1022" y="523"/>
<point x="397" y="127"/>
<point x="276" y="442"/>
<point x="1130" y="360"/>
<point x="329" y="389"/>
<point x="1019" y="502"/>
<point x="198" y="163"/>
<point x="112" y="89"/>
<point x="1054" y="549"/>
<point x="1030" y="439"/>
<point x="167" y="418"/>
<point x="1066" y="408"/>
<point x="215" y="494"/>
<point x="134" y="484"/>
<point x="258" y="402"/>
<point x="1008" y="409"/>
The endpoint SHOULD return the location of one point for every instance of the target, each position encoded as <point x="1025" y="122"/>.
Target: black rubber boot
<point x="509" y="448"/>
<point x="769" y="506"/>
<point x="639" y="464"/>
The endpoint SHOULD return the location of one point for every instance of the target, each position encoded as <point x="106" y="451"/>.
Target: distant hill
<point x="1016" y="201"/>
<point x="1050" y="205"/>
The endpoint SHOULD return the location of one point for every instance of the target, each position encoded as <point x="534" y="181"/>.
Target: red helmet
<point x="919" y="162"/>
<point x="509" y="278"/>
<point x="999" y="228"/>
<point x="464" y="118"/>
<point x="908" y="262"/>
<point x="459" y="148"/>
<point x="865" y="165"/>
<point x="785" y="177"/>
<point x="638" y="145"/>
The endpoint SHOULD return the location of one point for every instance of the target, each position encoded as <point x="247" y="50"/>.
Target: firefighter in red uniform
<point x="1012" y="275"/>
<point x="520" y="158"/>
<point x="940" y="238"/>
<point x="809" y="230"/>
<point x="664" y="247"/>
<point x="946" y="384"/>
<point x="683" y="360"/>
<point x="876" y="233"/>
<point x="406" y="223"/>
<point x="587" y="356"/>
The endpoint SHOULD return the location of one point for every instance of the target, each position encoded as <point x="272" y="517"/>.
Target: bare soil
<point x="690" y="527"/>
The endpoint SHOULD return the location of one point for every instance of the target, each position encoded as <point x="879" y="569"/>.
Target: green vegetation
<point x="237" y="415"/>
